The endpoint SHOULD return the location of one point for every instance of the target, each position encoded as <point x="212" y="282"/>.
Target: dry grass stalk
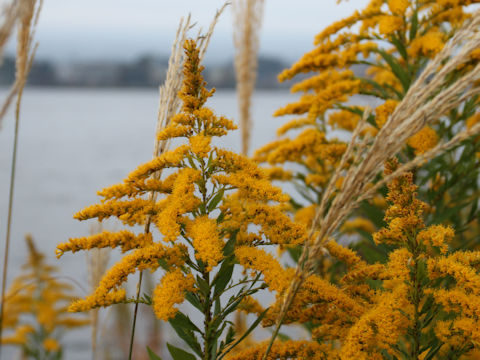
<point x="154" y="327"/>
<point x="9" y="19"/>
<point x="169" y="104"/>
<point x="248" y="19"/>
<point x="425" y="102"/>
<point x="27" y="16"/>
<point x="97" y="262"/>
<point x="26" y="13"/>
<point x="203" y="40"/>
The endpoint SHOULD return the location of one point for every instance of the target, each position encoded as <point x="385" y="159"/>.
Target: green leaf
<point x="382" y="93"/>
<point x="400" y="47"/>
<point x="220" y="217"/>
<point x="224" y="276"/>
<point x="210" y="158"/>
<point x="230" y="335"/>
<point x="184" y="321"/>
<point x="188" y="336"/>
<point x="230" y="245"/>
<point x="59" y="355"/>
<point x="147" y="299"/>
<point x="202" y="208"/>
<point x="249" y="330"/>
<point x="396" y="68"/>
<point x="473" y="211"/>
<point x="216" y="199"/>
<point x="433" y="351"/>
<point x="413" y="25"/>
<point x="163" y="264"/>
<point x="203" y="286"/>
<point x="295" y="252"/>
<point x="373" y="213"/>
<point x="302" y="191"/>
<point x="179" y="354"/>
<point x="283" y="337"/>
<point x="192" y="299"/>
<point x="218" y="307"/>
<point x="191" y="162"/>
<point x="152" y="355"/>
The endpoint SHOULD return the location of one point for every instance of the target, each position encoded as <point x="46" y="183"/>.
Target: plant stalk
<point x="10" y="212"/>
<point x="135" y="313"/>
<point x="208" y="318"/>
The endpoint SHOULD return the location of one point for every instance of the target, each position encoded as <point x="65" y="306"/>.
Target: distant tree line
<point x="145" y="71"/>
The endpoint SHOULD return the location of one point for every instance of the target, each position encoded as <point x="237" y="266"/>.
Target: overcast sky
<point x="124" y="29"/>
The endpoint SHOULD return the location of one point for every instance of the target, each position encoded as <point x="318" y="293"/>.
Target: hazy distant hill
<point x="145" y="71"/>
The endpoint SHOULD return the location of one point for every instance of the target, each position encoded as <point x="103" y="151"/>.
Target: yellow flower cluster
<point x="427" y="45"/>
<point x="205" y="238"/>
<point x="200" y="145"/>
<point x="258" y="260"/>
<point x="171" y="291"/>
<point x="35" y="307"/>
<point x="344" y="254"/>
<point x="289" y="350"/>
<point x="344" y="119"/>
<point x="404" y="216"/>
<point x="398" y="7"/>
<point x="181" y="201"/>
<point x="51" y="345"/>
<point x="108" y="292"/>
<point x="249" y="305"/>
<point x="384" y="111"/>
<point x="438" y="236"/>
<point x="126" y="240"/>
<point x="424" y="140"/>
<point x="380" y="328"/>
<point x="389" y="24"/>
<point x="275" y="226"/>
<point x="352" y="226"/>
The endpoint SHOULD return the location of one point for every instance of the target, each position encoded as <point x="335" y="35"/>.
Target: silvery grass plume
<point x="9" y="18"/>
<point x="430" y="97"/>
<point x="169" y="104"/>
<point x="26" y="14"/>
<point x="247" y="22"/>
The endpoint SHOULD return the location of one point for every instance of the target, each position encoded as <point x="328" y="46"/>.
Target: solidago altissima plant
<point x="423" y="110"/>
<point x="373" y="57"/>
<point x="216" y="210"/>
<point x="422" y="303"/>
<point x="36" y="314"/>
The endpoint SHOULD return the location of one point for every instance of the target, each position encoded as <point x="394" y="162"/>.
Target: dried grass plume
<point x="247" y="23"/>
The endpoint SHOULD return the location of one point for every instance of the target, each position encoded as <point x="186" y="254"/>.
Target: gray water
<point x="74" y="142"/>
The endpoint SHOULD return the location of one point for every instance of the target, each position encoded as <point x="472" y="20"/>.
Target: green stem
<point x="416" y="297"/>
<point x="207" y="312"/>
<point x="10" y="211"/>
<point x="135" y="312"/>
<point x="416" y="325"/>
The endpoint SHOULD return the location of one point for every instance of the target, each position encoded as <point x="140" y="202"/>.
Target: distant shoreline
<point x="75" y="87"/>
